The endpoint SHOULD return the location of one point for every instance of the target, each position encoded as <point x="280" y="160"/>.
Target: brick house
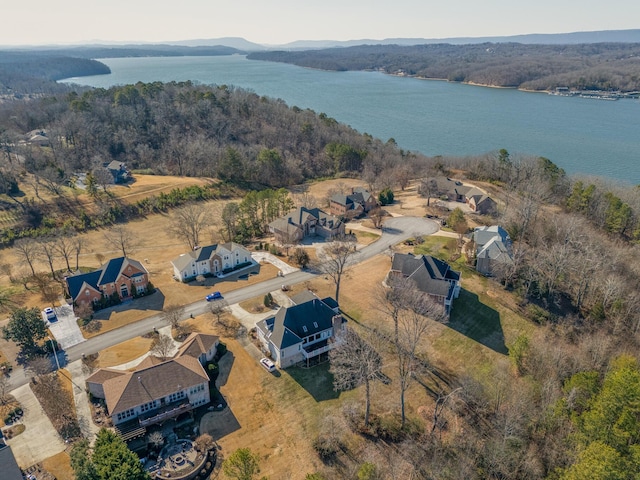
<point x="305" y="222"/>
<point x="359" y="202"/>
<point x="122" y="276"/>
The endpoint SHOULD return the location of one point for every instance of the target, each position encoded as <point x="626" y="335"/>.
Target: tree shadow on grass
<point x="317" y="381"/>
<point x="477" y="321"/>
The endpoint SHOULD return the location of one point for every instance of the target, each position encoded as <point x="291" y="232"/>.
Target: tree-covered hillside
<point x="602" y="66"/>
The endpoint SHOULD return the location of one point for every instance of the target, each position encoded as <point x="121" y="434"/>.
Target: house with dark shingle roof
<point x="359" y="202"/>
<point x="210" y="260"/>
<point x="157" y="390"/>
<point x="432" y="277"/>
<point x="456" y="191"/>
<point x="493" y="248"/>
<point x="122" y="276"/>
<point x="305" y="222"/>
<point x="8" y="465"/>
<point x="118" y="170"/>
<point x="301" y="332"/>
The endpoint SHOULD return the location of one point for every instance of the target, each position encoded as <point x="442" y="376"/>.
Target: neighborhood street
<point x="395" y="230"/>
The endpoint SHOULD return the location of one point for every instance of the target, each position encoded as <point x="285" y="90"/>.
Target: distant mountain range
<point x="602" y="36"/>
<point x="242" y="46"/>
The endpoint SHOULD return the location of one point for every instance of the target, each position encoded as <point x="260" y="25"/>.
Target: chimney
<point x="336" y="322"/>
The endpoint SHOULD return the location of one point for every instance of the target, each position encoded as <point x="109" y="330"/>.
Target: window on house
<point x="86" y="292"/>
<point x="304" y="328"/>
<point x="315" y="324"/>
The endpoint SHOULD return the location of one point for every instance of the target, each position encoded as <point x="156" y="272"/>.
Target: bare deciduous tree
<point x="355" y="362"/>
<point x="39" y="366"/>
<point x="204" y="443"/>
<point x="48" y="251"/>
<point x="189" y="222"/>
<point x="377" y="216"/>
<point x="335" y="259"/>
<point x="306" y="200"/>
<point x="230" y="217"/>
<point x="28" y="251"/>
<point x="162" y="346"/>
<point x="173" y="314"/>
<point x="219" y="308"/>
<point x="78" y="245"/>
<point x="156" y="439"/>
<point x="121" y="238"/>
<point x="412" y="327"/>
<point x="103" y="177"/>
<point x="64" y="246"/>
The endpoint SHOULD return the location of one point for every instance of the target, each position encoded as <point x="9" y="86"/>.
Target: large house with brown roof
<point x="122" y="276"/>
<point x="305" y="222"/>
<point x="157" y="390"/>
<point x="432" y="277"/>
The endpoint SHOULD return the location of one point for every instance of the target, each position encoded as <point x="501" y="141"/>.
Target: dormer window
<point x="304" y="328"/>
<point x="315" y="324"/>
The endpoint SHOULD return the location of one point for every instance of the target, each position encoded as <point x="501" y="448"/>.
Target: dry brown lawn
<point x="172" y="292"/>
<point x="275" y="416"/>
<point x="320" y="190"/>
<point x="59" y="466"/>
<point x="123" y="352"/>
<point x="407" y="202"/>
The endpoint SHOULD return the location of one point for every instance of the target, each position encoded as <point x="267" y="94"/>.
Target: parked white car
<point x="50" y="314"/>
<point x="268" y="364"/>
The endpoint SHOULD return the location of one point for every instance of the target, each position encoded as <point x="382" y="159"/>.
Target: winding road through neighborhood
<point x="395" y="230"/>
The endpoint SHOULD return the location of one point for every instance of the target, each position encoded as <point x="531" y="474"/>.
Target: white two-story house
<point x="210" y="260"/>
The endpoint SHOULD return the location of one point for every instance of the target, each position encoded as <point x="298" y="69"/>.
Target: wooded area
<point x="602" y="66"/>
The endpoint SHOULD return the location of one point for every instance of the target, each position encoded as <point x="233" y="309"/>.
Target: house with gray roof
<point x="432" y="276"/>
<point x="119" y="171"/>
<point x="456" y="191"/>
<point x="359" y="202"/>
<point x="121" y="276"/>
<point x="8" y="465"/>
<point x="210" y="260"/>
<point x="305" y="222"/>
<point x="493" y="248"/>
<point x="301" y="332"/>
<point x="157" y="390"/>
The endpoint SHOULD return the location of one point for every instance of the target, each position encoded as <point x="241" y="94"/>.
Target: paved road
<point x="395" y="231"/>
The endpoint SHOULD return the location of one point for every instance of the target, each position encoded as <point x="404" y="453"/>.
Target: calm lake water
<point x="583" y="136"/>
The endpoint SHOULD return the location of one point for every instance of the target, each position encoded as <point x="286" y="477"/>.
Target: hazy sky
<point x="37" y="22"/>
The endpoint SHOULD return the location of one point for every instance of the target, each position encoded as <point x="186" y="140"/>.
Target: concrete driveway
<point x="273" y="260"/>
<point x="39" y="440"/>
<point x="66" y="330"/>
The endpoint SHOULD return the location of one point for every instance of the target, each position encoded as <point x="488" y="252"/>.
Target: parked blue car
<point x="213" y="296"/>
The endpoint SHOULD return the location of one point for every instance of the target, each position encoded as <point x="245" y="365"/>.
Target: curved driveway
<point x="395" y="230"/>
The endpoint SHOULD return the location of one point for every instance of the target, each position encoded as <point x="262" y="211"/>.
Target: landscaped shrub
<point x="220" y="351"/>
<point x="326" y="446"/>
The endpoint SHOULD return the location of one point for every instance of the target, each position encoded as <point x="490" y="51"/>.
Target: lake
<point x="583" y="136"/>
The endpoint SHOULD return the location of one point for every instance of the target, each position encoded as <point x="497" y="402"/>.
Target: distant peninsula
<point x="28" y="71"/>
<point x="602" y="67"/>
